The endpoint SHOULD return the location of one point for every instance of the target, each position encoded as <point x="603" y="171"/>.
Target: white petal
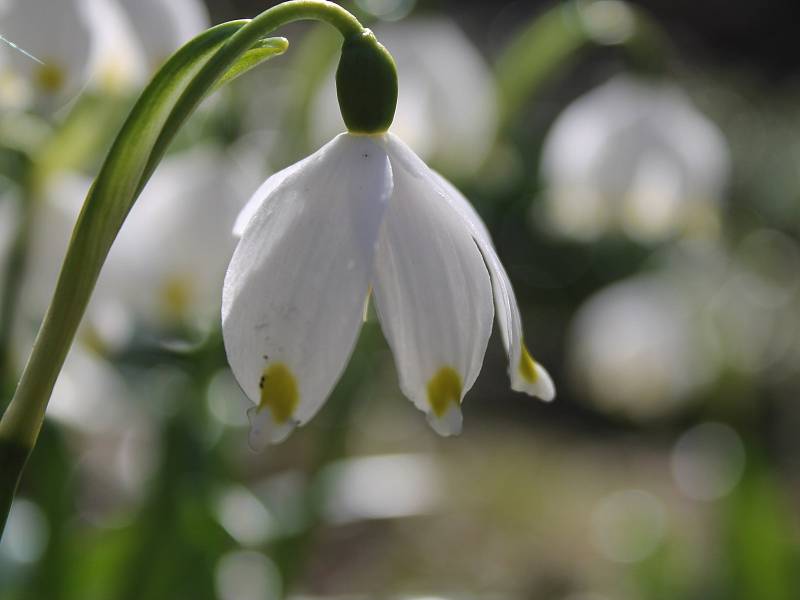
<point x="265" y="430"/>
<point x="432" y="292"/>
<point x="526" y="374"/>
<point x="264" y="190"/>
<point x="294" y="292"/>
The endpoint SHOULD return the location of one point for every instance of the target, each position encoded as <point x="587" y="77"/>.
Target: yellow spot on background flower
<point x="279" y="392"/>
<point x="176" y="296"/>
<point x="527" y="366"/>
<point x="444" y="389"/>
<point x="49" y="78"/>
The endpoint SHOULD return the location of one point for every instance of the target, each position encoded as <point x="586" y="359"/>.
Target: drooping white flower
<point x="439" y="67"/>
<point x="57" y="35"/>
<point x="634" y="156"/>
<point x="364" y="215"/>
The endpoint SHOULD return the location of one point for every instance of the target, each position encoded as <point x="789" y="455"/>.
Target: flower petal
<point x="432" y="292"/>
<point x="294" y="292"/>
<point x="526" y="374"/>
<point x="264" y="190"/>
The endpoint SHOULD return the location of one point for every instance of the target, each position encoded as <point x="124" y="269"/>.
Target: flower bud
<point x="366" y="84"/>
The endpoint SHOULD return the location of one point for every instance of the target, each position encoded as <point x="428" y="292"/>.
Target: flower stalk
<point x="209" y="60"/>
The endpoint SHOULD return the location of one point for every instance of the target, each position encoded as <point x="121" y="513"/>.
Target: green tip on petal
<point x="366" y="84"/>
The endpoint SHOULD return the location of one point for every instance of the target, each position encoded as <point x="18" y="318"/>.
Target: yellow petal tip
<point x="527" y="366"/>
<point x="279" y="392"/>
<point x="444" y="389"/>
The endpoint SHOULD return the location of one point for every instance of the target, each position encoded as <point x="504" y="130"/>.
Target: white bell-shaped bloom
<point x="439" y="67"/>
<point x="167" y="264"/>
<point x="58" y="36"/>
<point x="364" y="214"/>
<point x="634" y="156"/>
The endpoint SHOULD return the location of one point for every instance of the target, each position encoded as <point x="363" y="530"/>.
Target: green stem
<point x="113" y="193"/>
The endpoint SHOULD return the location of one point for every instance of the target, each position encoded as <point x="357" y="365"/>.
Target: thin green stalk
<point x="169" y="99"/>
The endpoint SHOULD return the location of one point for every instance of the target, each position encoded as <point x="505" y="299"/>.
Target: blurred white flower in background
<point x="166" y="267"/>
<point x="633" y="349"/>
<point x="133" y="37"/>
<point x="633" y="156"/>
<point x="168" y="263"/>
<point x="56" y="34"/>
<point x="438" y="68"/>
<point x="163" y="27"/>
<point x="646" y="346"/>
<point x="114" y="44"/>
<point x="90" y="395"/>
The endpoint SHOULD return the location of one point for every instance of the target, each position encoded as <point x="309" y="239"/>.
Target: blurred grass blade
<point x="540" y="50"/>
<point x="762" y="545"/>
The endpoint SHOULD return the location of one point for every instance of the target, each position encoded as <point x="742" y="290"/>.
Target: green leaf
<point x="263" y="50"/>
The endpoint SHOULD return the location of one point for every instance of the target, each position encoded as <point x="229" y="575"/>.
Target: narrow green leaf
<point x="252" y="58"/>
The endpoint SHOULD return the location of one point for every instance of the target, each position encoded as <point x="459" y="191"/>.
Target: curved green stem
<point x="169" y="99"/>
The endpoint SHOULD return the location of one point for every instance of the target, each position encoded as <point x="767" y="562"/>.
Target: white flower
<point x="364" y="214"/>
<point x="114" y="44"/>
<point x="634" y="156"/>
<point x="134" y="37"/>
<point x="56" y="34"/>
<point x="168" y="262"/>
<point x="439" y="67"/>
